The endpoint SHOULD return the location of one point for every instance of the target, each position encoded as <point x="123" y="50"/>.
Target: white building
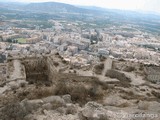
<point x="103" y="52"/>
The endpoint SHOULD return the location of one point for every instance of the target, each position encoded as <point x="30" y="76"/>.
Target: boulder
<point x="67" y="98"/>
<point x="13" y="85"/>
<point x="93" y="111"/>
<point x="32" y="105"/>
<point x="16" y="84"/>
<point x="53" y="99"/>
<point x="71" y="109"/>
<point x="116" y="101"/>
<point x="4" y="89"/>
<point x="47" y="106"/>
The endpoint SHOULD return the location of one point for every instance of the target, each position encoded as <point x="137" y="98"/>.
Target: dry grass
<point x="36" y="93"/>
<point x="143" y="105"/>
<point x="7" y="99"/>
<point x="118" y="75"/>
<point x="123" y="105"/>
<point x="56" y="104"/>
<point x="129" y="95"/>
<point x="125" y="81"/>
<point x="81" y="88"/>
<point x="39" y="80"/>
<point x="13" y="111"/>
<point x="79" y="92"/>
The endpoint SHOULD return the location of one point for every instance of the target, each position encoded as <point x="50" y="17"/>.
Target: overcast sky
<point x="149" y="5"/>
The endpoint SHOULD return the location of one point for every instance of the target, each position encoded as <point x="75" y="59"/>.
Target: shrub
<point x="56" y="64"/>
<point x="96" y="82"/>
<point x="142" y="89"/>
<point x="13" y="111"/>
<point x="121" y="60"/>
<point x="156" y="94"/>
<point x="148" y="94"/>
<point x="102" y="58"/>
<point x="118" y="75"/>
<point x="141" y="67"/>
<point x="99" y="68"/>
<point x="56" y="104"/>
<point x="57" y="53"/>
<point x="124" y="80"/>
<point x="75" y="71"/>
<point x="64" y="61"/>
<point x="129" y="69"/>
<point x="79" y="93"/>
<point x="37" y="93"/>
<point x="71" y="109"/>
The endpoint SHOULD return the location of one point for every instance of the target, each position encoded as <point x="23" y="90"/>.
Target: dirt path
<point x="17" y="73"/>
<point x="17" y="66"/>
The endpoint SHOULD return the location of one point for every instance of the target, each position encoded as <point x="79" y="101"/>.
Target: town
<point x="79" y="46"/>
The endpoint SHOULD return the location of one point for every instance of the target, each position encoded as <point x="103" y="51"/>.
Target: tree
<point x="9" y="40"/>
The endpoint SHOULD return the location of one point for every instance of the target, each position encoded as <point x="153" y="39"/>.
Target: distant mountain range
<point x="46" y="7"/>
<point x="96" y="15"/>
<point x="50" y="7"/>
<point x="93" y="8"/>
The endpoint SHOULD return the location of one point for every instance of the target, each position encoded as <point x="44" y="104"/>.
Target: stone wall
<point x="2" y="73"/>
<point x="15" y="70"/>
<point x="36" y="69"/>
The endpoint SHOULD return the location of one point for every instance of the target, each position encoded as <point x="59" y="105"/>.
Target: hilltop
<point x="53" y="7"/>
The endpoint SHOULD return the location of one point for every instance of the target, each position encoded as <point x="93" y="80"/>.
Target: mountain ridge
<point x="54" y="7"/>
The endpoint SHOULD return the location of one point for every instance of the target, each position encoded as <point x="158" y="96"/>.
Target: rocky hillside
<point x="71" y="93"/>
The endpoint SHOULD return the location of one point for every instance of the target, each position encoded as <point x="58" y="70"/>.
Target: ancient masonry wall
<point x="31" y="69"/>
<point x="36" y="69"/>
<point x="15" y="70"/>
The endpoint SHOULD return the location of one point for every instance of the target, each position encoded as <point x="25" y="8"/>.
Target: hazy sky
<point x="149" y="5"/>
